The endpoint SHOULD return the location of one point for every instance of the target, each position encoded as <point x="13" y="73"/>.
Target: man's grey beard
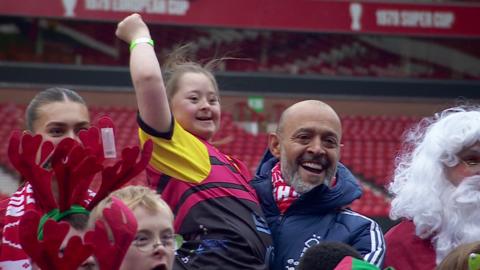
<point x="461" y="217"/>
<point x="293" y="178"/>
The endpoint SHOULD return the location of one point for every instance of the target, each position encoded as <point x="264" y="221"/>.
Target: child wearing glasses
<point x="155" y="242"/>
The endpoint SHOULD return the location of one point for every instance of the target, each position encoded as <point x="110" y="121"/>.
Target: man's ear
<point x="274" y="144"/>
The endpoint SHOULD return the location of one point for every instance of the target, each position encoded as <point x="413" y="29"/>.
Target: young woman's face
<point x="59" y="120"/>
<point x="196" y="105"/>
<point x="152" y="247"/>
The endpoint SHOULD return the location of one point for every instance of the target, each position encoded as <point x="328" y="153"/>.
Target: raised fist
<point x="131" y="28"/>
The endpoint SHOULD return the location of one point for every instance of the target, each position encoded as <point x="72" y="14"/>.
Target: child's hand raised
<point x="131" y="28"/>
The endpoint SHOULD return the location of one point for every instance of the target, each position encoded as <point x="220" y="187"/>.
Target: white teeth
<point x="315" y="166"/>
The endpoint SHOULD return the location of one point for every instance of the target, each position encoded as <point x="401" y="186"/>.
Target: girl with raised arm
<point x="215" y="209"/>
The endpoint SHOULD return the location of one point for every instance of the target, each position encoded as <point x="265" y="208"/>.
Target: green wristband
<point x="137" y="41"/>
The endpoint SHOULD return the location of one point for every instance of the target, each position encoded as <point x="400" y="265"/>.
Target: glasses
<point x="146" y="243"/>
<point x="471" y="162"/>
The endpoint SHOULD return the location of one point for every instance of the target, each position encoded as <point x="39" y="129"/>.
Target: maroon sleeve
<point x="405" y="250"/>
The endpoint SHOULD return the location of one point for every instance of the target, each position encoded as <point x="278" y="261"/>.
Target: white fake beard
<point x="461" y="217"/>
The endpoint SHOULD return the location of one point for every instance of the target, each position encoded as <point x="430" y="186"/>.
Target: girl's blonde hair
<point x="180" y="62"/>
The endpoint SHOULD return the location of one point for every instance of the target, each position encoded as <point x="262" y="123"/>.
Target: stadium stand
<point x="369" y="144"/>
<point x="73" y="42"/>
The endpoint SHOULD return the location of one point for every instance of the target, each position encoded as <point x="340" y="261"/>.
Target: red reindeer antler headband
<point x="119" y="219"/>
<point x="74" y="166"/>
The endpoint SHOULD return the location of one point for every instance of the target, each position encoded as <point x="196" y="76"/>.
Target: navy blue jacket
<point x="318" y="215"/>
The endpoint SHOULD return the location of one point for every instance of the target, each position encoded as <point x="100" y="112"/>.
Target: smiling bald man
<point x="304" y="190"/>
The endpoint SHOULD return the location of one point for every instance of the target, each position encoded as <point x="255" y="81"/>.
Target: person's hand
<point x="131" y="28"/>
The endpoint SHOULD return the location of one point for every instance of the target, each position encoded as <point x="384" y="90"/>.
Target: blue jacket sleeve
<point x="369" y="241"/>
